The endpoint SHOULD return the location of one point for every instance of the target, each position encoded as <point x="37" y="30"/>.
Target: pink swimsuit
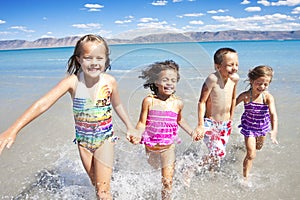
<point x="161" y="128"/>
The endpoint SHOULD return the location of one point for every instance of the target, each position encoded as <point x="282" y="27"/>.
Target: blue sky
<point x="34" y="19"/>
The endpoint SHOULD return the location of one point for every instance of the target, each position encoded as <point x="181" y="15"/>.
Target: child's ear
<point x="217" y="67"/>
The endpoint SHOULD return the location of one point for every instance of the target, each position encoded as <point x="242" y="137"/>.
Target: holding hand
<point x="198" y="133"/>
<point x="133" y="136"/>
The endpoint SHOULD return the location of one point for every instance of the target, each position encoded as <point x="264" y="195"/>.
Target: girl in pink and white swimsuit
<point x="161" y="114"/>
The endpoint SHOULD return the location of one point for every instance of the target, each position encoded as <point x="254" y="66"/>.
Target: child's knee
<point x="251" y="155"/>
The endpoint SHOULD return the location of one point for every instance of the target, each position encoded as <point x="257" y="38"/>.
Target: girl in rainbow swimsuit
<point x="161" y="113"/>
<point x="94" y="94"/>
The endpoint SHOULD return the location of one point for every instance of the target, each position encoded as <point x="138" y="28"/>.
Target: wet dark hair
<point x="218" y="56"/>
<point x="73" y="65"/>
<point x="151" y="73"/>
<point x="260" y="71"/>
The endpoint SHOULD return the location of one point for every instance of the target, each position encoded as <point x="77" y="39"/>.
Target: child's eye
<point x="87" y="58"/>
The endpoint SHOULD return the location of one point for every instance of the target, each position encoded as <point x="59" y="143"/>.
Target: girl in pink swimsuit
<point x="160" y="116"/>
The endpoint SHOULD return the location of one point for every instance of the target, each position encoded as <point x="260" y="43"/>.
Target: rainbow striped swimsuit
<point x="93" y="119"/>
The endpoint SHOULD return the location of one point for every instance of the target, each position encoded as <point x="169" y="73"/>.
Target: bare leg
<point x="250" y="143"/>
<point x="103" y="176"/>
<point x="103" y="165"/>
<point x="87" y="161"/>
<point x="167" y="181"/>
<point x="167" y="172"/>
<point x="260" y="142"/>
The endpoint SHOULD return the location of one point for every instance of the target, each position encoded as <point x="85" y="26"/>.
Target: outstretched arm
<point x="8" y="137"/>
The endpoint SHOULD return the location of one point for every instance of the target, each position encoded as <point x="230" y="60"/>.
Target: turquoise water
<point x="44" y="164"/>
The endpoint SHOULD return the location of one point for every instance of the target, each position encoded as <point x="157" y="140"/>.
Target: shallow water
<point x="44" y="163"/>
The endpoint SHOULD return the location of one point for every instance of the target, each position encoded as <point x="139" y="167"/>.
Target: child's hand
<point x="273" y="137"/>
<point x="198" y="133"/>
<point x="6" y="140"/>
<point x="133" y="136"/>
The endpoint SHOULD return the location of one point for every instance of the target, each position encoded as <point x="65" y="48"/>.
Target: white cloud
<point x="296" y="10"/>
<point x="196" y="22"/>
<point x="286" y="3"/>
<point x="47" y="36"/>
<point x="2" y="21"/>
<point x="87" y="26"/>
<point x="148" y="19"/>
<point x="264" y="2"/>
<point x="244" y="2"/>
<point x="176" y="1"/>
<point x="152" y="24"/>
<point x="159" y="3"/>
<point x="216" y="11"/>
<point x="253" y="9"/>
<point x="4" y="33"/>
<point x="279" y="3"/>
<point x="275" y="21"/>
<point x="191" y="15"/>
<point x="93" y="7"/>
<point x="22" y="28"/>
<point x="123" y="21"/>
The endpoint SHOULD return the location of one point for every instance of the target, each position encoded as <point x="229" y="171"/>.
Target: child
<point x="259" y="117"/>
<point x="217" y="103"/>
<point x="160" y="116"/>
<point x="94" y="93"/>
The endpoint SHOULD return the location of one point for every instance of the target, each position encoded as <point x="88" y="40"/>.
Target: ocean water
<point x="44" y="163"/>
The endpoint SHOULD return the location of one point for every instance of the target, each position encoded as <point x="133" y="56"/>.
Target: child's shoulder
<point x="244" y="96"/>
<point x="108" y="77"/>
<point x="268" y="97"/>
<point x="213" y="77"/>
<point x="149" y="99"/>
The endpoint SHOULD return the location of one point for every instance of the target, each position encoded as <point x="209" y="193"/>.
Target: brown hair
<point x="218" y="56"/>
<point x="151" y="73"/>
<point x="260" y="71"/>
<point x="74" y="65"/>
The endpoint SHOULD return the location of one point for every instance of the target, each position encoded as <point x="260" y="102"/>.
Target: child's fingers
<point x="6" y="143"/>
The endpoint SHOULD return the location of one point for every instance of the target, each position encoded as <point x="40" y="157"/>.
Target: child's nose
<point x="235" y="68"/>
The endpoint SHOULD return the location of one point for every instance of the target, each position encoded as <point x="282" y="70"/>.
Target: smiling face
<point x="260" y="84"/>
<point x="166" y="83"/>
<point x="229" y="65"/>
<point x="92" y="59"/>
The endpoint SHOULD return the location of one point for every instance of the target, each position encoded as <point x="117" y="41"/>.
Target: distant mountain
<point x="159" y="38"/>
